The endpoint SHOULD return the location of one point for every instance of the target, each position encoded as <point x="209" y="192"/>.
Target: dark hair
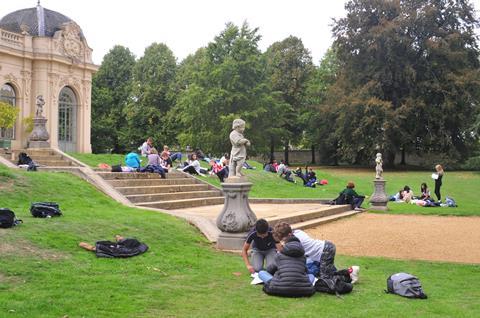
<point x="261" y="226"/>
<point x="281" y="231"/>
<point x="406" y="188"/>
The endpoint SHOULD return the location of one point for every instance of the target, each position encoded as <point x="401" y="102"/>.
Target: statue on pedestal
<point x="40" y="103"/>
<point x="239" y="148"/>
<point x="378" y="168"/>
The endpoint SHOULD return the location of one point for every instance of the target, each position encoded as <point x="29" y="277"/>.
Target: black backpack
<point x="24" y="159"/>
<point x="45" y="209"/>
<point x="8" y="219"/>
<point x="405" y="285"/>
<point x="340" y="283"/>
<point x="124" y="248"/>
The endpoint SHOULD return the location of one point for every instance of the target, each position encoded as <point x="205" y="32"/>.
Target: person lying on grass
<point x="320" y="254"/>
<point x="264" y="247"/>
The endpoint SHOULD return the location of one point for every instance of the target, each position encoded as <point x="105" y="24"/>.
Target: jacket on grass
<point x="289" y="272"/>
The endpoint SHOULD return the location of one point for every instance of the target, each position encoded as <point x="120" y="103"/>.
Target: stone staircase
<point x="314" y="217"/>
<point x="44" y="157"/>
<point x="178" y="190"/>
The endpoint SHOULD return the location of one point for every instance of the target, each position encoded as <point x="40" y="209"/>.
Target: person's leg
<point x="190" y="169"/>
<point x="357" y="202"/>
<point x="176" y="156"/>
<point x="87" y="246"/>
<point x="327" y="266"/>
<point x="265" y="276"/>
<point x="437" y="192"/>
<point x="222" y="174"/>
<point x="311" y="278"/>
<point x="270" y="257"/>
<point x="257" y="259"/>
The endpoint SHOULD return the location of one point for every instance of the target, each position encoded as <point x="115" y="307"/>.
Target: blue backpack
<point x="450" y="202"/>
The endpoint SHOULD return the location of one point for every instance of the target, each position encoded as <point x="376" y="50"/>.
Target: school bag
<point x="45" y="209"/>
<point x="8" y="219"/>
<point x="405" y="285"/>
<point x="339" y="283"/>
<point x="124" y="248"/>
<point x="450" y="202"/>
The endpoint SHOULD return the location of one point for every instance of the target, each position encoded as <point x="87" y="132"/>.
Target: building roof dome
<point x="36" y="21"/>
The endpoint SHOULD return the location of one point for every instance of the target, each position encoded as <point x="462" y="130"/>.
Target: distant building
<point x="43" y="52"/>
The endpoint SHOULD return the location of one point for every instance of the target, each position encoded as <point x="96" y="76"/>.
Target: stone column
<point x="379" y="198"/>
<point x="236" y="218"/>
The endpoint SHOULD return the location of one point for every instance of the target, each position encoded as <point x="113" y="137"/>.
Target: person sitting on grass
<point x="425" y="193"/>
<point x="193" y="166"/>
<point x="311" y="177"/>
<point x="288" y="276"/>
<point x="219" y="170"/>
<point x="146" y="147"/>
<point x="165" y="161"/>
<point x="284" y="171"/>
<point x="173" y="156"/>
<point x="264" y="247"/>
<point x="352" y="197"/>
<point x="320" y="254"/>
<point x="132" y="160"/>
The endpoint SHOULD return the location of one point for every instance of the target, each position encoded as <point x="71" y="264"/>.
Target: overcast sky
<point x="186" y="25"/>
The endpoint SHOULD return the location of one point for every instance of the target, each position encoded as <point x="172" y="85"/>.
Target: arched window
<point x="7" y="94"/>
<point x="67" y="119"/>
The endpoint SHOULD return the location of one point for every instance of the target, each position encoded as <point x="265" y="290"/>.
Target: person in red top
<point x="219" y="170"/>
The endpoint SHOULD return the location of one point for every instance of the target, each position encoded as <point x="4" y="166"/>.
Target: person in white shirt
<point x="146" y="147"/>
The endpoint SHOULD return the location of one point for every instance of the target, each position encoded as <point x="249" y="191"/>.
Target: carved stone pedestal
<point x="236" y="218"/>
<point x="39" y="136"/>
<point x="379" y="198"/>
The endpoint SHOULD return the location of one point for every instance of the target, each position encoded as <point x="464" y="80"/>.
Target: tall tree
<point x="111" y="88"/>
<point x="409" y="77"/>
<point x="154" y="74"/>
<point x="289" y="67"/>
<point x="219" y="83"/>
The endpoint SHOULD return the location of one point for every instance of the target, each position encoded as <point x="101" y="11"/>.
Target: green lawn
<point x="44" y="274"/>
<point x="463" y="186"/>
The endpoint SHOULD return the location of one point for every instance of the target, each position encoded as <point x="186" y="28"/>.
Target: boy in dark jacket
<point x="290" y="278"/>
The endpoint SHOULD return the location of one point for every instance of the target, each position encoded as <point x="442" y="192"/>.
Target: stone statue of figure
<point x="40" y="103"/>
<point x="378" y="168"/>
<point x="239" y="149"/>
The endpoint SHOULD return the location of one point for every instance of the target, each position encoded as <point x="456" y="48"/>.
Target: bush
<point x="472" y="163"/>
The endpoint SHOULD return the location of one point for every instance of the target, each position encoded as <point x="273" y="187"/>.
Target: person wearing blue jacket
<point x="132" y="160"/>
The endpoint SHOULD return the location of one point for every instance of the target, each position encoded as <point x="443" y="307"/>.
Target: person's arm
<point x="245" y="248"/>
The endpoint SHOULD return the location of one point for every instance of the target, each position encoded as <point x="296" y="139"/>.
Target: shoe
<point x="359" y="209"/>
<point x="354" y="271"/>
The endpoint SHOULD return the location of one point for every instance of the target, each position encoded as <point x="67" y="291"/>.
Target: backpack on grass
<point x="339" y="283"/>
<point x="8" y="219"/>
<point x="405" y="285"/>
<point x="45" y="209"/>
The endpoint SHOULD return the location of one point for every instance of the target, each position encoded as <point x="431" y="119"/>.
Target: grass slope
<point x="463" y="186"/>
<point x="44" y="274"/>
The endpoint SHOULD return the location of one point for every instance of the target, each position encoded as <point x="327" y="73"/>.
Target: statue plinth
<point x="379" y="198"/>
<point x="236" y="218"/>
<point x="39" y="136"/>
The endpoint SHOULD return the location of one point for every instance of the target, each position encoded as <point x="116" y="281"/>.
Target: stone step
<point x="162" y="189"/>
<point x="304" y="216"/>
<point x="150" y="182"/>
<point x="42" y="157"/>
<point x="137" y="198"/>
<point x="181" y="204"/>
<point x="139" y="175"/>
<point x="323" y="220"/>
<point x="39" y="152"/>
<point x="53" y="163"/>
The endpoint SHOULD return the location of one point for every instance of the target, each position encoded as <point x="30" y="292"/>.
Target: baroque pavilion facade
<point x="43" y="52"/>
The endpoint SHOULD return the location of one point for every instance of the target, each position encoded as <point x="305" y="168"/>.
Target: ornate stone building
<point x="43" y="52"/>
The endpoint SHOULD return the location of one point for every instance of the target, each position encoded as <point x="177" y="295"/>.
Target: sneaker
<point x="359" y="209"/>
<point x="354" y="271"/>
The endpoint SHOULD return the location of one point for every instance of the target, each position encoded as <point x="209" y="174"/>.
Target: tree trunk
<point x="403" y="156"/>
<point x="313" y="155"/>
<point x="286" y="152"/>
<point x="272" y="148"/>
<point x="390" y="159"/>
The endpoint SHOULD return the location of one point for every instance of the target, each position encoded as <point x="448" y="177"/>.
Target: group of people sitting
<point x="309" y="178"/>
<point x="289" y="262"/>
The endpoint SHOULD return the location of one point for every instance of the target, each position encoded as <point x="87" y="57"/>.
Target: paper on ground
<point x="256" y="280"/>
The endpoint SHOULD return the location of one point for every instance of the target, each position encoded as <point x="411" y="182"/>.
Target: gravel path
<point x="435" y="238"/>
